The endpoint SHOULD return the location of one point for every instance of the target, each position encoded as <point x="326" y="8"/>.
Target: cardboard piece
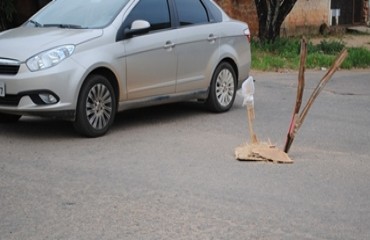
<point x="261" y="152"/>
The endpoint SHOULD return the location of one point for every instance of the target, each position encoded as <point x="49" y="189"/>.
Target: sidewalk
<point x="357" y="38"/>
<point x="359" y="29"/>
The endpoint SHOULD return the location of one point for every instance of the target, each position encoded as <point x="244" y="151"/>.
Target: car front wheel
<point x="223" y="88"/>
<point x="96" y="107"/>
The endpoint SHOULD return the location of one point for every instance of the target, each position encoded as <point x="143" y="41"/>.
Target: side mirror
<point x="137" y="27"/>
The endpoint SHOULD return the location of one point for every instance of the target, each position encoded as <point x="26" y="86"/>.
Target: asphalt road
<point x="169" y="172"/>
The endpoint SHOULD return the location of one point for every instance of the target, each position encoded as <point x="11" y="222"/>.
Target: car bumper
<point x="25" y="92"/>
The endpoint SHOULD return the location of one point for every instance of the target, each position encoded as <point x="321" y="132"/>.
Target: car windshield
<point x="78" y="13"/>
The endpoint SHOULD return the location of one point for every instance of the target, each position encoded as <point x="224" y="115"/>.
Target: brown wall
<point x="243" y="10"/>
<point x="306" y="17"/>
<point x="25" y="9"/>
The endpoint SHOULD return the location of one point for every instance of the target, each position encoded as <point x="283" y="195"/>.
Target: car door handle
<point x="212" y="37"/>
<point x="169" y="45"/>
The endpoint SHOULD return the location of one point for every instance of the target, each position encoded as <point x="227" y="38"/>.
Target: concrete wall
<point x="306" y="17"/>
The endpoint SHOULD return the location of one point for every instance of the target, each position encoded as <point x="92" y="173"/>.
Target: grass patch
<point x="318" y="60"/>
<point x="284" y="54"/>
<point x="357" y="58"/>
<point x="267" y="61"/>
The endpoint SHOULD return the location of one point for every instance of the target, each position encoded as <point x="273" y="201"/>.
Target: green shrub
<point x="282" y="46"/>
<point x="357" y="58"/>
<point x="317" y="60"/>
<point x="330" y="47"/>
<point x="284" y="53"/>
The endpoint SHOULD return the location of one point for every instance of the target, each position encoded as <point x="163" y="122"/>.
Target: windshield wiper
<point x="62" y="25"/>
<point x="37" y="24"/>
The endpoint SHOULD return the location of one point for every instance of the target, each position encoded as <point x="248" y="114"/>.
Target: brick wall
<point x="243" y="10"/>
<point x="25" y="9"/>
<point x="305" y="17"/>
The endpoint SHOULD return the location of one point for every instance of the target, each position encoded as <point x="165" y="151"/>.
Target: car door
<point x="197" y="45"/>
<point x="150" y="58"/>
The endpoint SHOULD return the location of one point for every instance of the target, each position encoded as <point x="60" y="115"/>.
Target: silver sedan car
<point x="85" y="60"/>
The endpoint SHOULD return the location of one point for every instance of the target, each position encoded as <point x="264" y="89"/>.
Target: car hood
<point x="24" y="42"/>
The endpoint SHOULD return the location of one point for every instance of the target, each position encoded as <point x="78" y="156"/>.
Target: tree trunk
<point x="271" y="15"/>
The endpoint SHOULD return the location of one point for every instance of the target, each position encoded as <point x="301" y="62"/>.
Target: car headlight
<point x="49" y="58"/>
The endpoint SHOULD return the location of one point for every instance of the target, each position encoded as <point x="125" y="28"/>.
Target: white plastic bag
<point x="247" y="91"/>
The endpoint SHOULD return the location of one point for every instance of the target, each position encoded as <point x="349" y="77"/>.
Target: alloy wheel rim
<point x="225" y="87"/>
<point x="99" y="106"/>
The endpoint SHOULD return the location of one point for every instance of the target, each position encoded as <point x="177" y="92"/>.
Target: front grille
<point x="9" y="66"/>
<point x="10" y="100"/>
<point x="9" y="69"/>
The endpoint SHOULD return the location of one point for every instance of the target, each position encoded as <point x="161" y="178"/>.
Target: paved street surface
<point x="169" y="172"/>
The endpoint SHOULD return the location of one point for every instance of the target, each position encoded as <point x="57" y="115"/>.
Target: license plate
<point x="2" y="89"/>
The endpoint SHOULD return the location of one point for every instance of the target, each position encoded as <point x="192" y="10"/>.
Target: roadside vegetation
<point x="283" y="54"/>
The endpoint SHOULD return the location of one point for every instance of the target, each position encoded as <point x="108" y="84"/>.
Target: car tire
<point x="96" y="107"/>
<point x="223" y="88"/>
<point x="9" y="118"/>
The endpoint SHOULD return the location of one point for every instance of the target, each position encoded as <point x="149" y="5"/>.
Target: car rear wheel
<point x="223" y="88"/>
<point x="96" y="107"/>
<point x="9" y="118"/>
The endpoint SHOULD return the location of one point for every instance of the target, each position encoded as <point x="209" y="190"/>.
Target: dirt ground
<point x="351" y="40"/>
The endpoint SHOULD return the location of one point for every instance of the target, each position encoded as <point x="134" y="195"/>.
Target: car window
<point x="191" y="12"/>
<point x="155" y="12"/>
<point x="216" y="15"/>
<point x="82" y="13"/>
